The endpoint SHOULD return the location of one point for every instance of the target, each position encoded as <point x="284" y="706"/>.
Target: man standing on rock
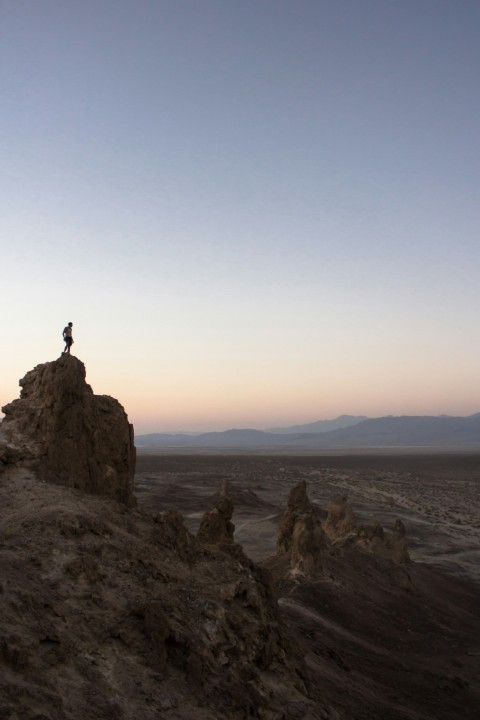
<point x="68" y="337"/>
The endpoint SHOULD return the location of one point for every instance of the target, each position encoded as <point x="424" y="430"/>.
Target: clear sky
<point x="255" y="212"/>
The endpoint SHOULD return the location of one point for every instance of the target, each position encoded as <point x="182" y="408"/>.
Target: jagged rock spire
<point x="217" y="526"/>
<point x="340" y="519"/>
<point x="300" y="532"/>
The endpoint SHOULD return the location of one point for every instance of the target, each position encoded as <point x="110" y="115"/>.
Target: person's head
<point x="70" y="324"/>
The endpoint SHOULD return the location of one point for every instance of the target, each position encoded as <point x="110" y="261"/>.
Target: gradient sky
<point x="255" y="212"/>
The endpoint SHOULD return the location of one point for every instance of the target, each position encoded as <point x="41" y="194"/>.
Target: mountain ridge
<point x="387" y="431"/>
<point x="320" y="425"/>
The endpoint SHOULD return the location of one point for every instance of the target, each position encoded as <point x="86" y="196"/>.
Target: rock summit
<point x="68" y="435"/>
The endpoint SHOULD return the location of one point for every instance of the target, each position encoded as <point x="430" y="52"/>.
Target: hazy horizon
<point x="256" y="214"/>
<point x="217" y="428"/>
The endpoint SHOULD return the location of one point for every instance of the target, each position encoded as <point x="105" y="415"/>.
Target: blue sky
<point x="254" y="213"/>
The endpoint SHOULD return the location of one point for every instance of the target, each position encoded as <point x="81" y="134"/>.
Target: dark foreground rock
<point x="216" y="526"/>
<point x="110" y="613"/>
<point x="106" y="612"/>
<point x="385" y="637"/>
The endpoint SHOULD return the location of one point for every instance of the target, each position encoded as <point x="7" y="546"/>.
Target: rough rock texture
<point x="107" y="612"/>
<point x="341" y="520"/>
<point x="362" y="611"/>
<point x="300" y="532"/>
<point x="303" y="539"/>
<point x="170" y="532"/>
<point x="308" y="541"/>
<point x="380" y="641"/>
<point x="110" y="613"/>
<point x="69" y="435"/>
<point x="216" y="526"/>
<point x="392" y="545"/>
<point x="341" y="528"/>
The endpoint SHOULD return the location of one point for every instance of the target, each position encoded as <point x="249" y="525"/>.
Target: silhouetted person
<point x="68" y="337"/>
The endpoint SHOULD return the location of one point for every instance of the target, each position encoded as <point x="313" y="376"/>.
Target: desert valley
<point x="198" y="587"/>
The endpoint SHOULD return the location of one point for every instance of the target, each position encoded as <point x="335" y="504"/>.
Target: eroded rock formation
<point x="341" y="528"/>
<point x="303" y="539"/>
<point x="140" y="615"/>
<point x="110" y="613"/>
<point x="300" y="532"/>
<point x="392" y="546"/>
<point x="340" y="520"/>
<point x="217" y="526"/>
<point x="69" y="435"/>
<point x="107" y="612"/>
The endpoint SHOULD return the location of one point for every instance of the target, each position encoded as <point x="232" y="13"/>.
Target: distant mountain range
<point x="321" y="425"/>
<point x="413" y="431"/>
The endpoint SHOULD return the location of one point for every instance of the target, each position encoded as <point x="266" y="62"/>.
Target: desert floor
<point x="436" y="496"/>
<point x="381" y="642"/>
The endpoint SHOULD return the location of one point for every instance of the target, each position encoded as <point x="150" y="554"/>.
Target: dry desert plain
<point x="384" y="641"/>
<point x="436" y="496"/>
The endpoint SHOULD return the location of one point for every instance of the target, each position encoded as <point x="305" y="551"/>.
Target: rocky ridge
<point x="110" y="612"/>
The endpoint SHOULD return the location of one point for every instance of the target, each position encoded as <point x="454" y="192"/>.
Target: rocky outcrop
<point x="171" y="533"/>
<point x="342" y="529"/>
<point x="217" y="526"/>
<point x="303" y="540"/>
<point x="391" y="546"/>
<point x="363" y="601"/>
<point x="300" y="532"/>
<point x="107" y="612"/>
<point x="69" y="435"/>
<point x="340" y="520"/>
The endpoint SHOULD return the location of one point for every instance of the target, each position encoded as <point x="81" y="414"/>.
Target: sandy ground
<point x="436" y="496"/>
